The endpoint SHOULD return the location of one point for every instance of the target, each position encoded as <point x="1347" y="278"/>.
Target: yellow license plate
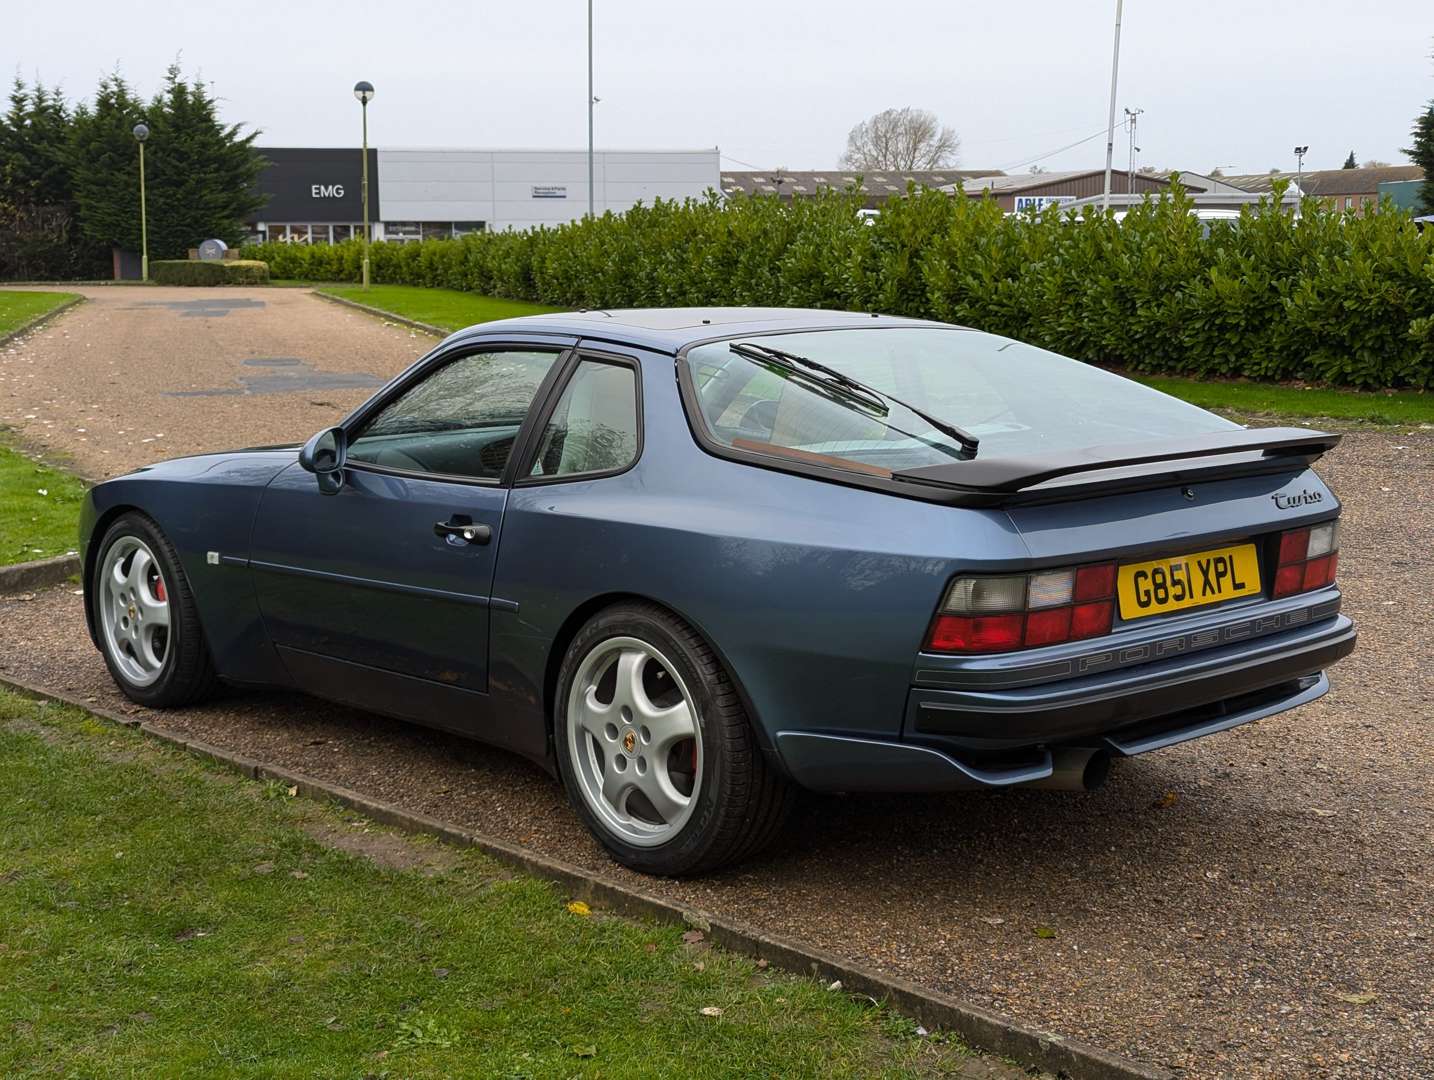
<point x="1187" y="581"/>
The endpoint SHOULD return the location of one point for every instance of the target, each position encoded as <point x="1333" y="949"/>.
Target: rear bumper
<point x="1095" y="705"/>
<point x="955" y="739"/>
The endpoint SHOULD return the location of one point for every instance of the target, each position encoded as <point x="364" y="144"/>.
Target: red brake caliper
<point x="159" y="593"/>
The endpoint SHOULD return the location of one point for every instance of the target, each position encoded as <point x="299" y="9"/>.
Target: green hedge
<point x="195" y="272"/>
<point x="1329" y="297"/>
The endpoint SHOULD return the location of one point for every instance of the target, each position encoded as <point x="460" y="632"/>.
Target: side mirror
<point x="324" y="456"/>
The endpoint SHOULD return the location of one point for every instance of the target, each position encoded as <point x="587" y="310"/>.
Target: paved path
<point x="135" y="374"/>
<point x="1255" y="904"/>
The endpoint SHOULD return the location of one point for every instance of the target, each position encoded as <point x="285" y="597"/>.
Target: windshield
<point x="1016" y="399"/>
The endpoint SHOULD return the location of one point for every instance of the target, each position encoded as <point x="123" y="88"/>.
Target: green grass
<point x="18" y="308"/>
<point x="39" y="508"/>
<point x="1403" y="407"/>
<point x="448" y="308"/>
<point x="162" y="916"/>
<point x="39" y="505"/>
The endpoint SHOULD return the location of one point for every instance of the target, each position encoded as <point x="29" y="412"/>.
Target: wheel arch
<point x="579" y="617"/>
<point x="92" y="553"/>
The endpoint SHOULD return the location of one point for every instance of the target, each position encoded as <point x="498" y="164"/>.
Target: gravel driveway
<point x="138" y="374"/>
<point x="1255" y="904"/>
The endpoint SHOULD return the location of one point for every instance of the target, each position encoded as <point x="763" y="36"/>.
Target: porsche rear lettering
<point x="1200" y="639"/>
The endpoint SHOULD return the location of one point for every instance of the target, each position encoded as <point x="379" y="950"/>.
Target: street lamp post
<point x="1300" y="152"/>
<point x="363" y="90"/>
<point x="1110" y="125"/>
<point x="141" y="132"/>
<point x="1132" y="118"/>
<point x="592" y="203"/>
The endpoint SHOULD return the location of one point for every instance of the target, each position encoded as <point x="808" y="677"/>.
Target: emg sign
<point x="312" y="186"/>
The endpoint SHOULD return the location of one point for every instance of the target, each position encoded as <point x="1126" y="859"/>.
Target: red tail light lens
<point x="1317" y="574"/>
<point x="1095" y="582"/>
<point x="1294" y="546"/>
<point x="1289" y="579"/>
<point x="1091" y="620"/>
<point x="1024" y="611"/>
<point x="976" y="633"/>
<point x="1308" y="559"/>
<point x="1049" y="626"/>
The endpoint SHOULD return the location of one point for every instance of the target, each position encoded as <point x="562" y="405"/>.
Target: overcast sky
<point x="775" y="83"/>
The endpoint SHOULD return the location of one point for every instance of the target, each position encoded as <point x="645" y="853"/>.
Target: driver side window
<point x="461" y="420"/>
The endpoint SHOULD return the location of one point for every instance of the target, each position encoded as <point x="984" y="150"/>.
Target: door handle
<point x="459" y="530"/>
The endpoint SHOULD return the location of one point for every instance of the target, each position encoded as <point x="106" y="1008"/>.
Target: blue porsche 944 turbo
<point x="693" y="560"/>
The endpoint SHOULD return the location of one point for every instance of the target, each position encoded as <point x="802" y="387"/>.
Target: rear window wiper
<point x="867" y="395"/>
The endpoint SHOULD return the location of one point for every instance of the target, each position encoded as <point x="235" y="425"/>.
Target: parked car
<point x="691" y="560"/>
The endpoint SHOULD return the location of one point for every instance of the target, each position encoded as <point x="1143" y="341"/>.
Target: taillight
<point x="1308" y="559"/>
<point x="1023" y="611"/>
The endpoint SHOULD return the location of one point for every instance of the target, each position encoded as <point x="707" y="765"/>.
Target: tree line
<point x="69" y="176"/>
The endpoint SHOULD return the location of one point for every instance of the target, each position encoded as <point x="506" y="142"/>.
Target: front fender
<point x="205" y="506"/>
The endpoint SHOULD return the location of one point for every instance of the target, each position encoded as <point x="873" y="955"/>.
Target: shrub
<point x="1327" y="296"/>
<point x="197" y="272"/>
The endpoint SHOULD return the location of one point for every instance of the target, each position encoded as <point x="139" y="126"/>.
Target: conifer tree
<point x="1421" y="152"/>
<point x="106" y="165"/>
<point x="200" y="175"/>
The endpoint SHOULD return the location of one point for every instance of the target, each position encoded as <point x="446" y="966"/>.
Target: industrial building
<point x="1016" y="192"/>
<point x="1036" y="191"/>
<point x="315" y="195"/>
<point x="875" y="185"/>
<point x="1339" y="189"/>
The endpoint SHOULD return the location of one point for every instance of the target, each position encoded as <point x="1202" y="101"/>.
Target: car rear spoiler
<point x="998" y="478"/>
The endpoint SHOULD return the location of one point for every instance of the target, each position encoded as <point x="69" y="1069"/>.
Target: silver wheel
<point x="635" y="741"/>
<point x="133" y="611"/>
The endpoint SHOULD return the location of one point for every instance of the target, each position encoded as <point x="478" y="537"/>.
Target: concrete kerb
<point x="387" y="316"/>
<point x="39" y="320"/>
<point x="981" y="1028"/>
<point x="38" y="574"/>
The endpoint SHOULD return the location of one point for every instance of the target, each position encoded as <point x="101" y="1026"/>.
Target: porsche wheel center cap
<point x="629" y="740"/>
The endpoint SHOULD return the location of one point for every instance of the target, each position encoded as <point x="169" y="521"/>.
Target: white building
<point x="315" y="196"/>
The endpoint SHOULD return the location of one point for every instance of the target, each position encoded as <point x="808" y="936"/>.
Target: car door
<point x="576" y="493"/>
<point x="380" y="593"/>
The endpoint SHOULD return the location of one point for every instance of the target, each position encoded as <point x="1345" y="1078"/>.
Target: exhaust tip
<point x="1097" y="769"/>
<point x="1076" y="768"/>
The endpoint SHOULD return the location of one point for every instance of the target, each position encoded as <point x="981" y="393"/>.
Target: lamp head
<point x="141" y="132"/>
<point x="363" y="90"/>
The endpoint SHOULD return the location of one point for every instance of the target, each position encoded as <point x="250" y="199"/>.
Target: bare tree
<point x="901" y="139"/>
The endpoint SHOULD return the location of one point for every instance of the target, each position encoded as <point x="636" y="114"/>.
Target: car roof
<point x="672" y="329"/>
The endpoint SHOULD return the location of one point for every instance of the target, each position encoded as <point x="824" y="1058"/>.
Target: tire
<point x="145" y="617"/>
<point x="659" y="802"/>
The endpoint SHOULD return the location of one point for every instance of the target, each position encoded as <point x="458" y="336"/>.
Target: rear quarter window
<point x="1018" y="400"/>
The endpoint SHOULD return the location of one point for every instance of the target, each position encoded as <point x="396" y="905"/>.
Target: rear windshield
<point x="1016" y="399"/>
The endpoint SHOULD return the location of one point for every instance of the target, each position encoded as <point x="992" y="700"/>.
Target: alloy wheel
<point x="133" y="610"/>
<point x="635" y="741"/>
